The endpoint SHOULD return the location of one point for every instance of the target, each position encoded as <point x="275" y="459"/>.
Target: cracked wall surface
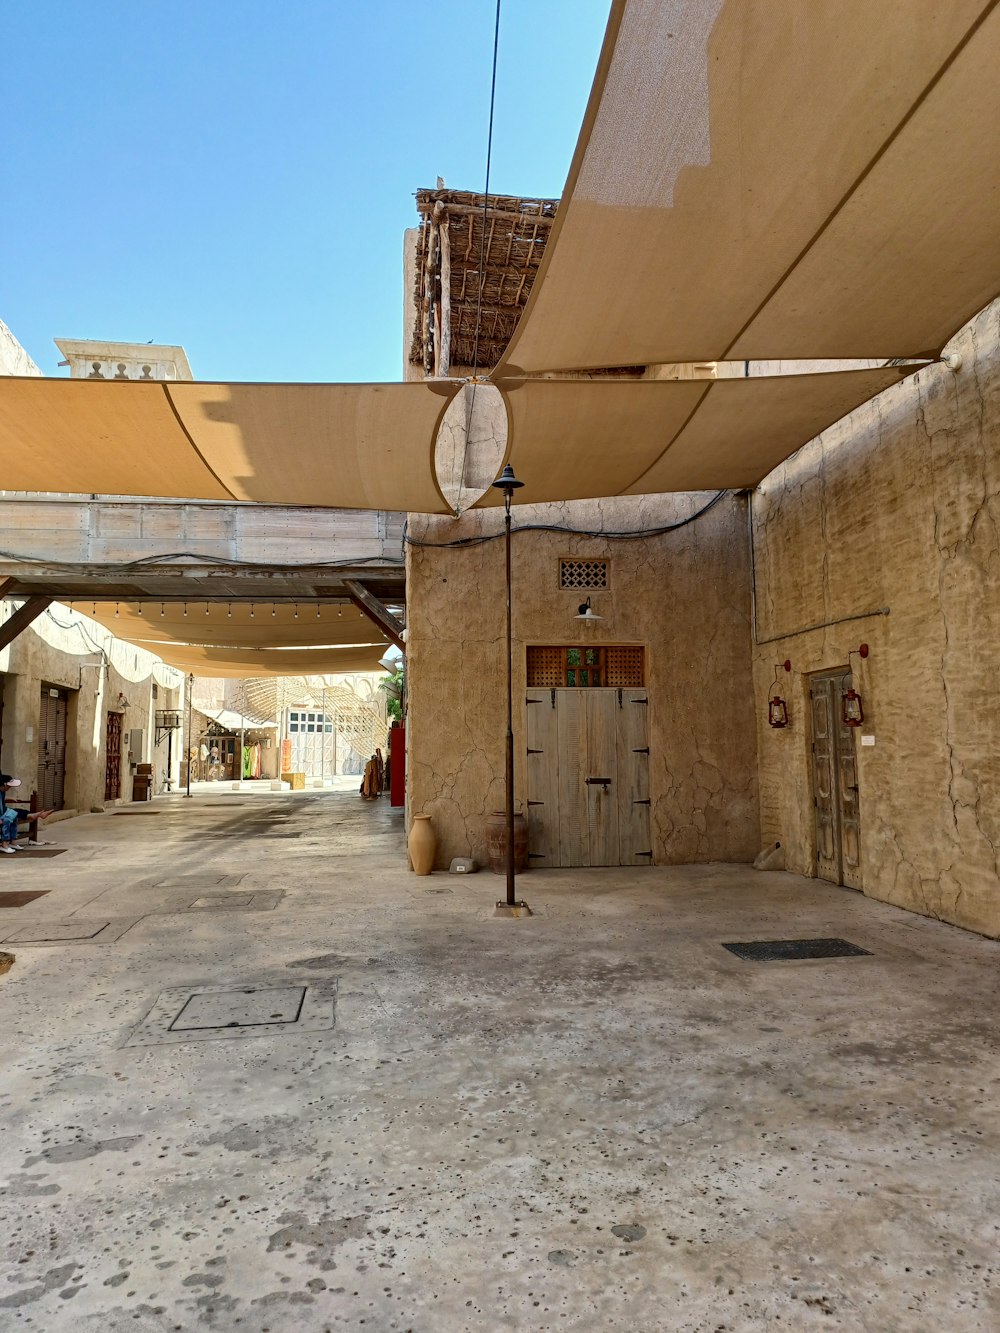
<point x="684" y="595"/>
<point x="897" y="509"/>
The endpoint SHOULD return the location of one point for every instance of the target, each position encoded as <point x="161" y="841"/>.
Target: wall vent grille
<point x="586" y="574"/>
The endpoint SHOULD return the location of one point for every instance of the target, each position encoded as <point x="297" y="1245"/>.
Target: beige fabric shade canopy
<point x="230" y="625"/>
<point x="775" y="179"/>
<point x="754" y="179"/>
<point x="572" y="440"/>
<point x="348" y="446"/>
<point x="248" y="662"/>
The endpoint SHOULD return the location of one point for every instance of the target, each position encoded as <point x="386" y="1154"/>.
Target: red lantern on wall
<point x="852" y="712"/>
<point x="777" y="712"/>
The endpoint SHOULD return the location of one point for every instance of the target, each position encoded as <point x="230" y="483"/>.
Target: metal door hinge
<point x="536" y="802"/>
<point x="639" y="701"/>
<point x="530" y="751"/>
<point x="644" y="853"/>
<point x="645" y="802"/>
<point x="598" y="782"/>
<point x="643" y="750"/>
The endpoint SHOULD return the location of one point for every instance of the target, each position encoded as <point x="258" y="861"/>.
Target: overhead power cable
<point x="482" y="248"/>
<point x="626" y="535"/>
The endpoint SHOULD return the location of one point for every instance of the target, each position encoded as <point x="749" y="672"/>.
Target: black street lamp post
<point x="508" y="483"/>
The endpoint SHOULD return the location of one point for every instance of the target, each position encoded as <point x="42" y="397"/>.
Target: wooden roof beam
<point x="376" y="612"/>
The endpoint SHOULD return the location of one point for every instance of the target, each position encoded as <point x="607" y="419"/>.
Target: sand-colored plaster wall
<point x="896" y="509"/>
<point x="48" y="655"/>
<point x="685" y="595"/>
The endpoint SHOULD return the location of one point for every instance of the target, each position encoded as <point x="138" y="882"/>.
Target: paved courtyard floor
<point x="258" y="1077"/>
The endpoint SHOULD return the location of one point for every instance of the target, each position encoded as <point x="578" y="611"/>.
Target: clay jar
<point x="422" y="844"/>
<point x="496" y="842"/>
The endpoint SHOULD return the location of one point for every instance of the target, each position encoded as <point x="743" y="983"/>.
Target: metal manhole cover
<point x="58" y="932"/>
<point x="263" y="832"/>
<point x="211" y="1013"/>
<point x="223" y="900"/>
<point x="195" y="882"/>
<point x="81" y="930"/>
<point x="19" y="897"/>
<point x="241" y="1008"/>
<point x="777" y="951"/>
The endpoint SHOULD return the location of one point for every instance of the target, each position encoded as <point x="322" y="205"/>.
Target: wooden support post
<point x="377" y="613"/>
<point x="443" y="350"/>
<point x="6" y="585"/>
<point x="429" y="302"/>
<point x="22" y="618"/>
<point x="33" y="823"/>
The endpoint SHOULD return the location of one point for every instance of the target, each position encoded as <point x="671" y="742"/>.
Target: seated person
<point x="10" y="814"/>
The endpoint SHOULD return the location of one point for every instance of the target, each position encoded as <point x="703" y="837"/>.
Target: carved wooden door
<point x="113" y="763"/>
<point x="835" y="784"/>
<point x="588" y="777"/>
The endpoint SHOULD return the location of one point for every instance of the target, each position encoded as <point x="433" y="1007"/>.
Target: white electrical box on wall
<point x="867" y="740"/>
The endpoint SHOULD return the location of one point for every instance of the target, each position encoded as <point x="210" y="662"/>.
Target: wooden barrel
<point x="496" y="842"/>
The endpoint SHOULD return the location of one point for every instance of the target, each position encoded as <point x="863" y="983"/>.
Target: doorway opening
<point x="835" y="782"/>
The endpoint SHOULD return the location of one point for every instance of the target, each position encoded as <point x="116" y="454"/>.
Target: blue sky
<point x="236" y="175"/>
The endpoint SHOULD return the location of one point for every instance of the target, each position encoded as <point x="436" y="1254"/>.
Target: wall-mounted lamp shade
<point x="851" y="711"/>
<point x="586" y="613"/>
<point x="777" y="712"/>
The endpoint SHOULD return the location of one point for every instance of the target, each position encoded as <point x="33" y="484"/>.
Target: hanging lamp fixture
<point x="777" y="708"/>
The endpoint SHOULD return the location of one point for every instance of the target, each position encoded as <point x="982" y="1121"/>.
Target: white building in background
<point x="91" y="360"/>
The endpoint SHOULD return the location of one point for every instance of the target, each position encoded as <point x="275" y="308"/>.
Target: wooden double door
<point x="588" y="777"/>
<point x="835" y="783"/>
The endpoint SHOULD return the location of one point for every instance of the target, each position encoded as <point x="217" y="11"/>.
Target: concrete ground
<point x="594" y="1119"/>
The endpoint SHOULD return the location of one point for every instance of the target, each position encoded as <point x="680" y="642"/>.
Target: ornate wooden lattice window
<point x="585" y="574"/>
<point x="579" y="666"/>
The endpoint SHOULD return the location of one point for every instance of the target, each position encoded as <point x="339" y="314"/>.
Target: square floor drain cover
<point x="19" y="897"/>
<point x="777" y="951"/>
<point x="58" y="932"/>
<point x="241" y="1008"/>
<point x="223" y="900"/>
<point x="214" y="1012"/>
<point x="78" y="930"/>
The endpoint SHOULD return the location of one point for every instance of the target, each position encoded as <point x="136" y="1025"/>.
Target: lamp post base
<point x="512" y="910"/>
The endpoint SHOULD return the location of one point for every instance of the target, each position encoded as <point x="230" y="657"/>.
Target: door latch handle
<point x="599" y="782"/>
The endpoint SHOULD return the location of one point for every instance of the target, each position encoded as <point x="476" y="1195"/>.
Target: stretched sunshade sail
<point x="577" y="439"/>
<point x="775" y="179"/>
<point x="231" y="625"/>
<point x="347" y="446"/>
<point x="246" y="662"/>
